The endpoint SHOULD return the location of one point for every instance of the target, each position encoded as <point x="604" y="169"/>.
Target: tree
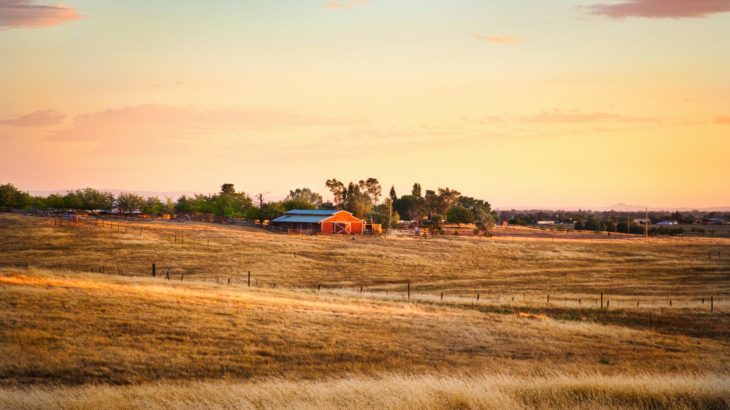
<point x="447" y="198"/>
<point x="484" y="221"/>
<point x="356" y="198"/>
<point x="298" y="203"/>
<point x="12" y="198"/>
<point x="393" y="195"/>
<point x="129" y="202"/>
<point x="89" y="199"/>
<point x="410" y="207"/>
<point x="434" y="224"/>
<point x="484" y="217"/>
<point x="230" y="204"/>
<point x="459" y="215"/>
<point x="416" y="191"/>
<point x="431" y="202"/>
<point x="268" y="211"/>
<point x="339" y="191"/>
<point x="384" y="214"/>
<point x="184" y="206"/>
<point x="227" y="189"/>
<point x="357" y="202"/>
<point x="302" y="198"/>
<point x="153" y="206"/>
<point x="372" y="188"/>
<point x="54" y="201"/>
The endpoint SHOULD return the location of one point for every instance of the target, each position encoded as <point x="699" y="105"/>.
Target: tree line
<point x="364" y="199"/>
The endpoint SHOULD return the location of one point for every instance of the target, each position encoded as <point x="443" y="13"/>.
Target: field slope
<point x="74" y="337"/>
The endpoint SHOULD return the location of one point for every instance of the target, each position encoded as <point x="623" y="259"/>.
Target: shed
<point x="319" y="220"/>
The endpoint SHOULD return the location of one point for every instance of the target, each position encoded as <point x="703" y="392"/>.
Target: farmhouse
<point x="319" y="220"/>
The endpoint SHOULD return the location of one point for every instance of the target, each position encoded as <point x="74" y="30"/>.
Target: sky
<point x="525" y="103"/>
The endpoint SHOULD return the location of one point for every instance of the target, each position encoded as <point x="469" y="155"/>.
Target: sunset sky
<point x="526" y="103"/>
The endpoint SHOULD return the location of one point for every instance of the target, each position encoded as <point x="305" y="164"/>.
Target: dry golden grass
<point x="77" y="328"/>
<point x="677" y="268"/>
<point x="395" y="392"/>
<point x="71" y="338"/>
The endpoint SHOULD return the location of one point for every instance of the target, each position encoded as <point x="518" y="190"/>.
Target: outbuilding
<point x="324" y="221"/>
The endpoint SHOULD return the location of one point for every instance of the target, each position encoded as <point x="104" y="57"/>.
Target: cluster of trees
<point x="433" y="208"/>
<point x="613" y="221"/>
<point x="363" y="198"/>
<point x="227" y="203"/>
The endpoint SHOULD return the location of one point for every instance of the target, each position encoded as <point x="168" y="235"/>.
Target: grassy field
<point x="73" y="337"/>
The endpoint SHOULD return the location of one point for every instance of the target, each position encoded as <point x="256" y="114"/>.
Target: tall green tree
<point x="410" y="207"/>
<point x="339" y="192"/>
<point x="459" y="215"/>
<point x="228" y="189"/>
<point x="230" y="204"/>
<point x="12" y="198"/>
<point x="357" y="202"/>
<point x="302" y="198"/>
<point x="129" y="202"/>
<point x="416" y="191"/>
<point x="372" y="187"/>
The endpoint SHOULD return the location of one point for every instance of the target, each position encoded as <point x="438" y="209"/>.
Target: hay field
<point x="73" y="337"/>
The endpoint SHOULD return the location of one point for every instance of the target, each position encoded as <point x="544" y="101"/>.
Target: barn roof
<point x="320" y="212"/>
<point x="306" y="216"/>
<point x="301" y="219"/>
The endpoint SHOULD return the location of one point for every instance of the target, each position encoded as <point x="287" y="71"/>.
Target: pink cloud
<point x="28" y="13"/>
<point x="497" y="39"/>
<point x="142" y="123"/>
<point x="343" y="4"/>
<point x="661" y="8"/>
<point x="42" y="118"/>
<point x="558" y="116"/>
<point x="722" y="120"/>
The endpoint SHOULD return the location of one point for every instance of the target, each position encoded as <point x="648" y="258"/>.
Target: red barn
<point x="320" y="220"/>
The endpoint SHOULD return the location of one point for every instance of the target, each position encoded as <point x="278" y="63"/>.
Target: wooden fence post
<point x="154" y="270"/>
<point x="712" y="304"/>
<point x="249" y="279"/>
<point x="181" y="276"/>
<point x="360" y="288"/>
<point x="601" y="300"/>
<point x="548" y="299"/>
<point x="319" y="287"/>
<point x="442" y="296"/>
<point x="229" y="280"/>
<point x="478" y="297"/>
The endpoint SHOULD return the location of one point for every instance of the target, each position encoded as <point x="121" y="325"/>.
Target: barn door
<point x="341" y="227"/>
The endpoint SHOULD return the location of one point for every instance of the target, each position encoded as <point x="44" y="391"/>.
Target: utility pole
<point x="261" y="207"/>
<point x="646" y="221"/>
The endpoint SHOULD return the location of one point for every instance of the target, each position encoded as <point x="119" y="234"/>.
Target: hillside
<point x="171" y="343"/>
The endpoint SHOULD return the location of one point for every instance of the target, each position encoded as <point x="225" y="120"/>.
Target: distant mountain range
<point x="618" y="207"/>
<point x="635" y="208"/>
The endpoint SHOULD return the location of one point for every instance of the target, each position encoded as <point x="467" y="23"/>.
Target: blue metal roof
<point x="327" y="212"/>
<point x="301" y="219"/>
